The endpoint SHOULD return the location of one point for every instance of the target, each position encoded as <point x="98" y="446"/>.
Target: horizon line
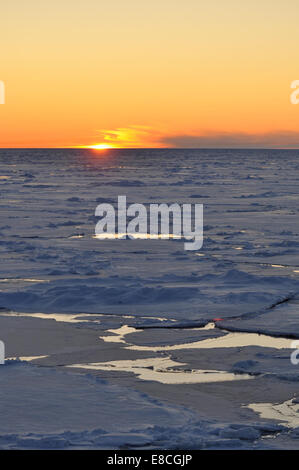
<point x="149" y="148"/>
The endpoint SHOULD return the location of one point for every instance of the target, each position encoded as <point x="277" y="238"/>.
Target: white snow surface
<point x="244" y="279"/>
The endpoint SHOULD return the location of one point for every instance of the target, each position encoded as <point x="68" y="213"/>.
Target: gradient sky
<point x="143" y="73"/>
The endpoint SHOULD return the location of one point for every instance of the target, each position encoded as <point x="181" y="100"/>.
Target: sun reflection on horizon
<point x="99" y="146"/>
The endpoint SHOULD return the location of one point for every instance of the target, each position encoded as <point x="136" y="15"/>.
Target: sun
<point x="100" y="146"/>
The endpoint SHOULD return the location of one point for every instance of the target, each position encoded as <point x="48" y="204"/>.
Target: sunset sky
<point x="149" y="73"/>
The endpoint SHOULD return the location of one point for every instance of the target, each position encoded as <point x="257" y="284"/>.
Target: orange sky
<point x="149" y="73"/>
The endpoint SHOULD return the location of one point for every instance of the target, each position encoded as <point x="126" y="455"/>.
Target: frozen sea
<point x="140" y="343"/>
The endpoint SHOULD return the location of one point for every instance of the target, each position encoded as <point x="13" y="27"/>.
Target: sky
<point x="149" y="73"/>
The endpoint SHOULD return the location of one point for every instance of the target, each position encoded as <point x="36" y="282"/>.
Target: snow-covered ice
<point x="120" y="309"/>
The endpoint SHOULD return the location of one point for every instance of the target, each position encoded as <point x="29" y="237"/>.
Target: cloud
<point x="282" y="139"/>
<point x="133" y="136"/>
<point x="137" y="136"/>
